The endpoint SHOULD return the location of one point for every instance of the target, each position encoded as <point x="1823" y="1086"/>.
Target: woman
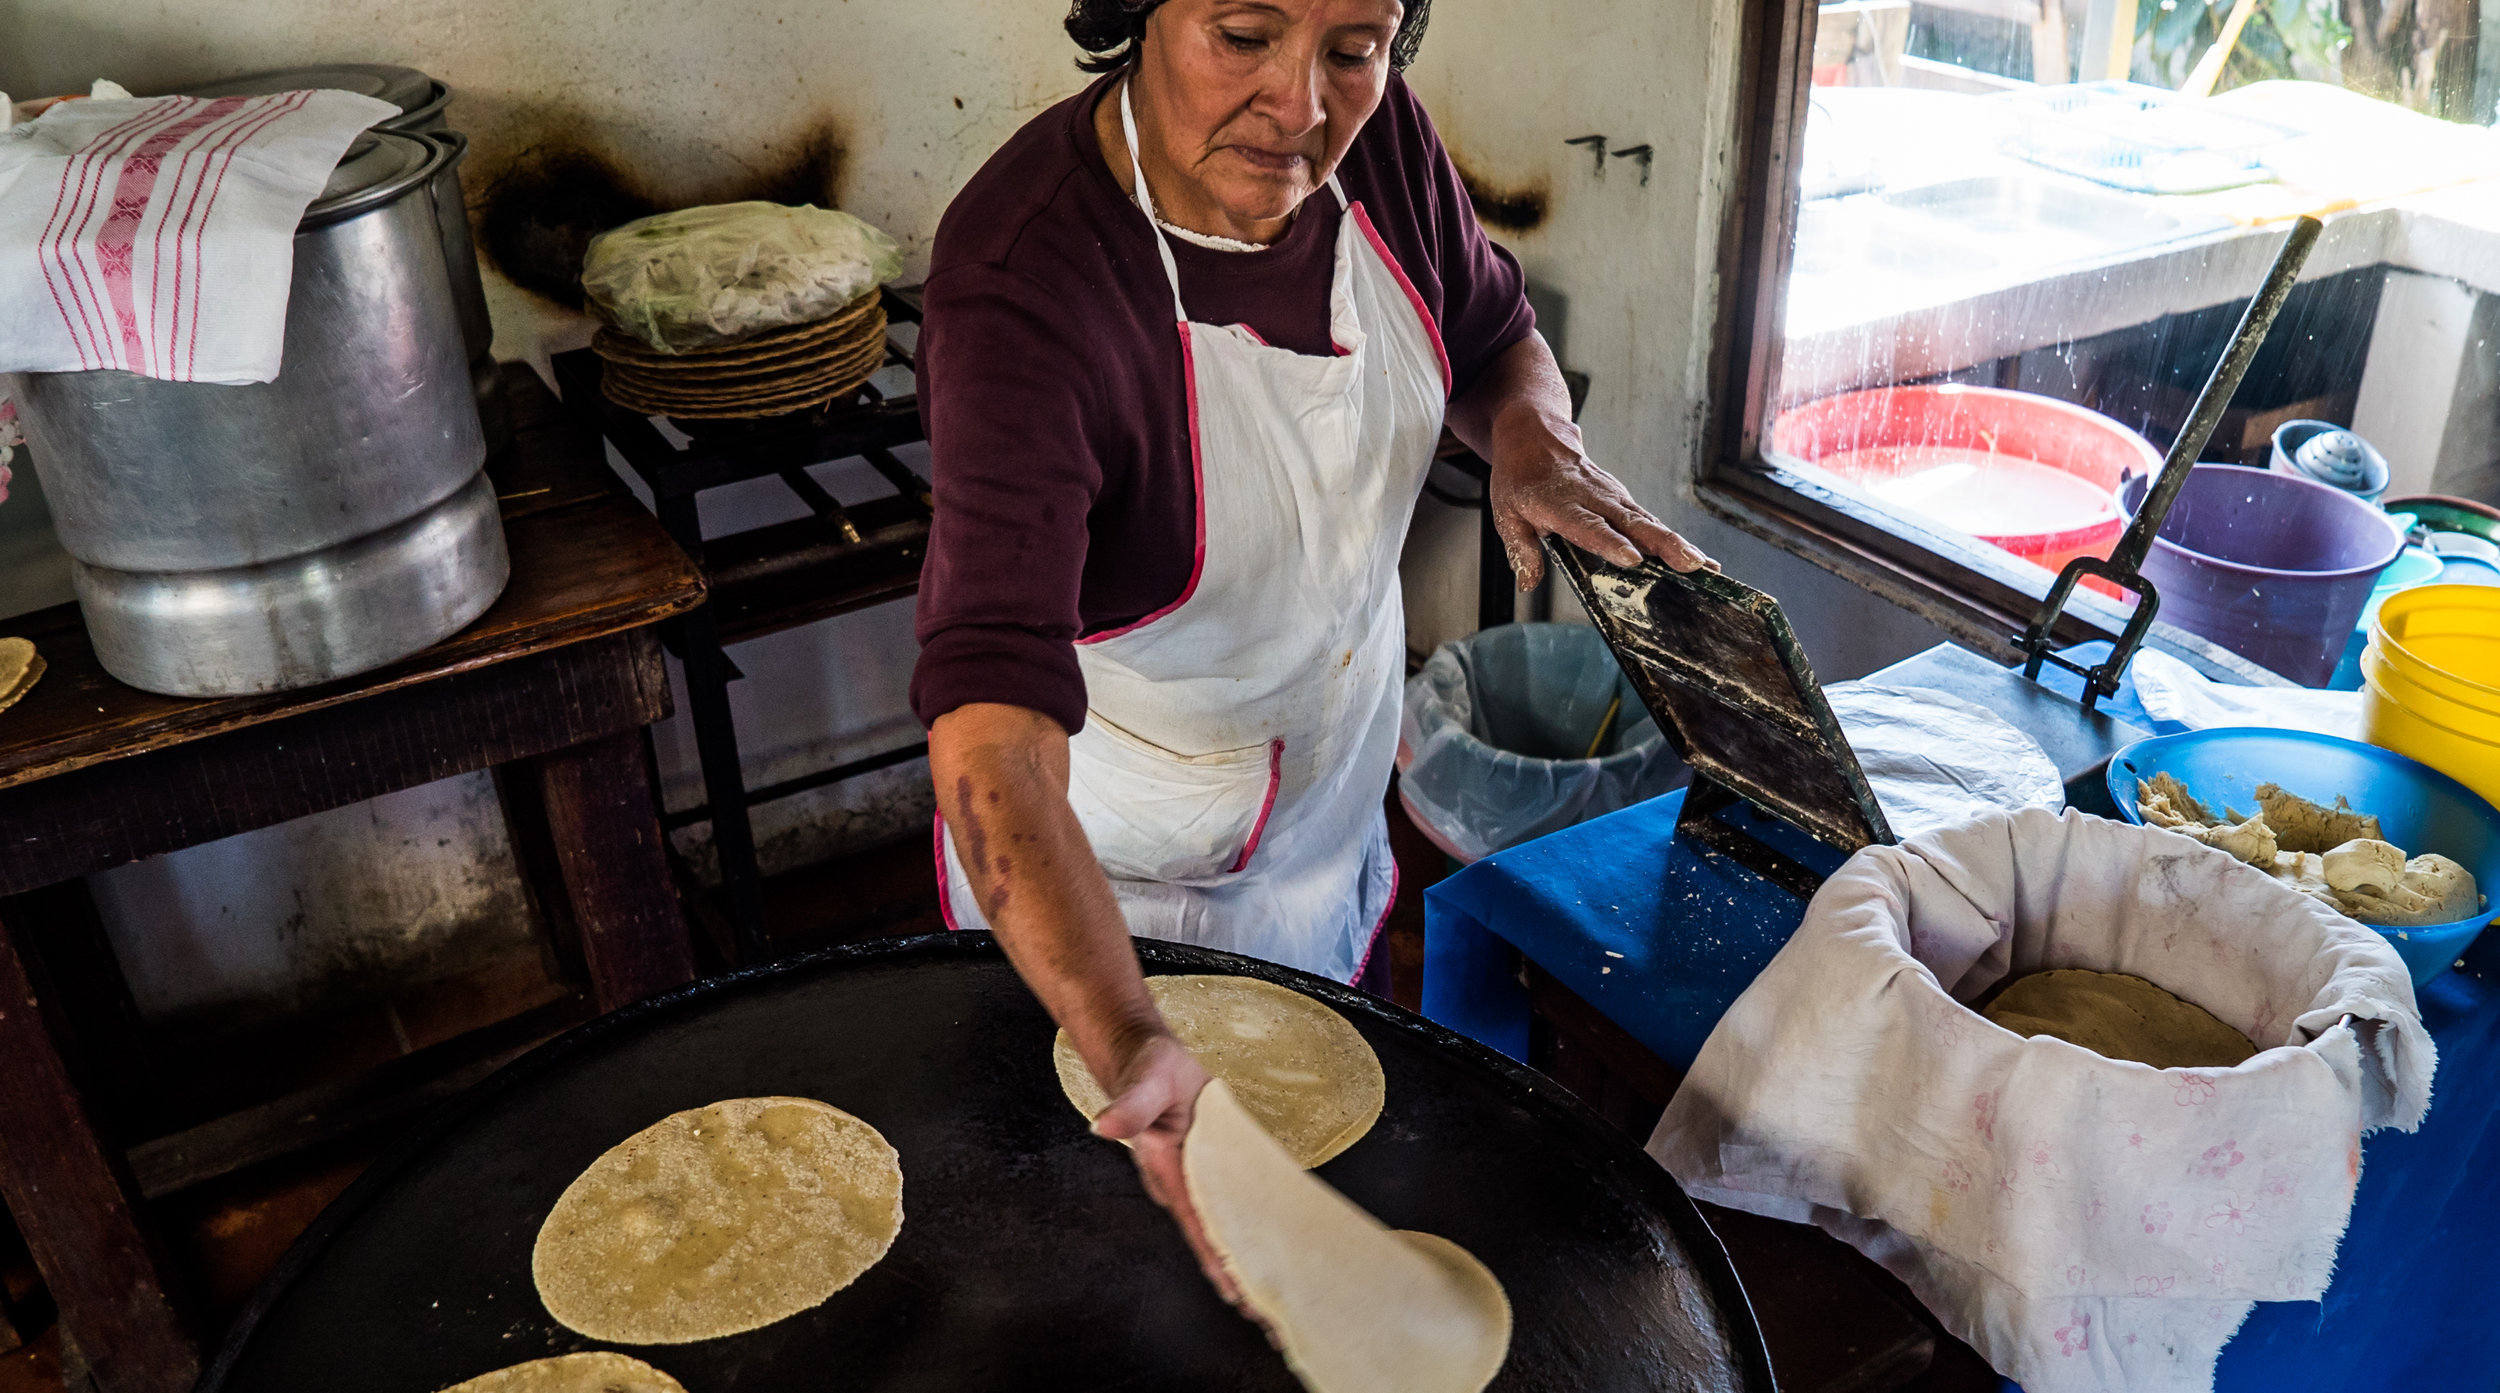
<point x="1191" y="337"/>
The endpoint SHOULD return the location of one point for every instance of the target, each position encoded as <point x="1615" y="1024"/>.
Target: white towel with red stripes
<point x="157" y="235"/>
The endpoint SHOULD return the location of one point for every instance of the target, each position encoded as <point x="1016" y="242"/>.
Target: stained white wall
<point x="698" y="102"/>
<point x="695" y="100"/>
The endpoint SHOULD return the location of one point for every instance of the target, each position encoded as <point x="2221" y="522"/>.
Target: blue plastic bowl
<point x="2420" y="809"/>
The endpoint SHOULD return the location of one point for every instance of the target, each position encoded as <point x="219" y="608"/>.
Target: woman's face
<point x="1255" y="101"/>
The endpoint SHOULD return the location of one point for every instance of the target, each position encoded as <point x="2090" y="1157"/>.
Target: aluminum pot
<point x="468" y="288"/>
<point x="422" y="104"/>
<point x="228" y="540"/>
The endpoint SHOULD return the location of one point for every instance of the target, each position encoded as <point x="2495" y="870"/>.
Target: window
<point x="1974" y="281"/>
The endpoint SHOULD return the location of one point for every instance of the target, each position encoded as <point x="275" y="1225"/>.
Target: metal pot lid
<point x="405" y="88"/>
<point x="425" y="116"/>
<point x="378" y="167"/>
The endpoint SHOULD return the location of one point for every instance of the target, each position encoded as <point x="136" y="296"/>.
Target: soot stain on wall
<point x="537" y="214"/>
<point x="1513" y="209"/>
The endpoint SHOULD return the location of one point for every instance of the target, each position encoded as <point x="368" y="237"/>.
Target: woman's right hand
<point x="1156" y="1101"/>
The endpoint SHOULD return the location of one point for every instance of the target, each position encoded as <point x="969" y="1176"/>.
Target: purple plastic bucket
<point x="2272" y="567"/>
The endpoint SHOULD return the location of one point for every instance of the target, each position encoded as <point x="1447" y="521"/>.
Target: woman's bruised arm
<point x="1002" y="785"/>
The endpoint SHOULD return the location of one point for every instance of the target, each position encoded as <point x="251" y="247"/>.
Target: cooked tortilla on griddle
<point x="718" y="1220"/>
<point x="601" y="1371"/>
<point x="1301" y="1069"/>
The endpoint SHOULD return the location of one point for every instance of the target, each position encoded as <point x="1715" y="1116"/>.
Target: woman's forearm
<point x="1518" y="401"/>
<point x="1002" y="785"/>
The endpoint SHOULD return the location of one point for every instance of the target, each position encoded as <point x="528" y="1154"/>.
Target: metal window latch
<point x="1642" y="153"/>
<point x="1597" y="148"/>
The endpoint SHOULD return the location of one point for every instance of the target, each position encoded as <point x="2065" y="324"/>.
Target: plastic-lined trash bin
<point x="1521" y="730"/>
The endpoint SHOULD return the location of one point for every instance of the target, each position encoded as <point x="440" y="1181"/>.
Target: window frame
<point x="1980" y="596"/>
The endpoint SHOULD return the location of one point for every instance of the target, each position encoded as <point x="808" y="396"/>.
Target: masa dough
<point x="2334" y="855"/>
<point x="2118" y="1016"/>
<point x="1356" y="1307"/>
<point x="2300" y="825"/>
<point x="718" y="1220"/>
<point x="601" y="1371"/>
<point x="1301" y="1069"/>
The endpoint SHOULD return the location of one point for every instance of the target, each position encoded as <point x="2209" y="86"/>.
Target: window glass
<point x="2010" y="274"/>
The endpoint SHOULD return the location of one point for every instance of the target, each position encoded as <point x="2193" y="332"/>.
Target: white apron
<point x="1238" y="742"/>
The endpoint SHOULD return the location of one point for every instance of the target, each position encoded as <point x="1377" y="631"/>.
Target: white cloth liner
<point x="157" y="236"/>
<point x="2085" y="1223"/>
<point x="1935" y="760"/>
<point x="2172" y="691"/>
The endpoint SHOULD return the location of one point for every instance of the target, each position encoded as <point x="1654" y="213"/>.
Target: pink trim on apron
<point x="1372" y="944"/>
<point x="1198" y="506"/>
<point x="1258" y="829"/>
<point x="1371" y="234"/>
<point x="1261" y="340"/>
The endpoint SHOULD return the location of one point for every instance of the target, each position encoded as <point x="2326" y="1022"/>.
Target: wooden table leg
<point x="606" y="823"/>
<point x="78" y="1208"/>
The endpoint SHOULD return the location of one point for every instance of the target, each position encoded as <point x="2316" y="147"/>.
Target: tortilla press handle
<point x="2124" y="566"/>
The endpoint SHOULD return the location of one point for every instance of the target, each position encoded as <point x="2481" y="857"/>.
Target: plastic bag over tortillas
<point x="705" y="276"/>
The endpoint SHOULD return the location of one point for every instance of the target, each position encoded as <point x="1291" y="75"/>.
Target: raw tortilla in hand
<point x="2118" y="1016"/>
<point x="1304" y="1072"/>
<point x="718" y="1220"/>
<point x="598" y="1372"/>
<point x="1356" y="1307"/>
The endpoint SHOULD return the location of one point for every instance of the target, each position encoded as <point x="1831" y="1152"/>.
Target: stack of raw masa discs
<point x="767" y="374"/>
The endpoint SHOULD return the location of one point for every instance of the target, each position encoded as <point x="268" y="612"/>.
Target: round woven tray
<point x="770" y="374"/>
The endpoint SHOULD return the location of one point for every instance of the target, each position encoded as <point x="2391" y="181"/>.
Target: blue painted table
<point x="1662" y="937"/>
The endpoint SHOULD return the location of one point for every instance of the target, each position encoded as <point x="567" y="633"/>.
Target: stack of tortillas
<point x="20" y="668"/>
<point x="767" y="374"/>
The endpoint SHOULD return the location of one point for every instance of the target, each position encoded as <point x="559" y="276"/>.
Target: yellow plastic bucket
<point x="2431" y="681"/>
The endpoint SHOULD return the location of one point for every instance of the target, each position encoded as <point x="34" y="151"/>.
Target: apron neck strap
<point x="1146" y="203"/>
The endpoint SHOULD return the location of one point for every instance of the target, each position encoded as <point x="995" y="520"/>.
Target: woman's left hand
<point x="1551" y="487"/>
<point x="1517" y="415"/>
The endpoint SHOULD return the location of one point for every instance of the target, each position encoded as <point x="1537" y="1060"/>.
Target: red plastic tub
<point x="2033" y="475"/>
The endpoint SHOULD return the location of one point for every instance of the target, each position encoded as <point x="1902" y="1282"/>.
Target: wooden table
<point x="556" y="682"/>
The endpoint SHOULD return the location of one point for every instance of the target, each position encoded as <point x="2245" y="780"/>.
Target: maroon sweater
<point x="1051" y="383"/>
